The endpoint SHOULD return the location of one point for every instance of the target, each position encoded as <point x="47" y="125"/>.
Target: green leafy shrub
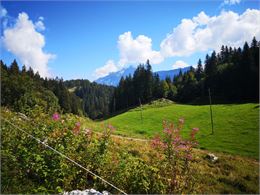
<point x="25" y="161"/>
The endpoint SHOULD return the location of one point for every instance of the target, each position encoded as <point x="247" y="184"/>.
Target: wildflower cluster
<point x="55" y="116"/>
<point x="177" y="154"/>
<point x="76" y="129"/>
<point x="132" y="166"/>
<point x="108" y="130"/>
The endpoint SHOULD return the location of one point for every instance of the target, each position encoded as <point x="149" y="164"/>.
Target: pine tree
<point x="14" y="68"/>
<point x="199" y="71"/>
<point x="24" y="70"/>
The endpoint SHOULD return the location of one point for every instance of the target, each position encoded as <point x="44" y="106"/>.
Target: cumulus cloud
<point x="3" y="11"/>
<point x="4" y="16"/>
<point x="132" y="51"/>
<point x="27" y="44"/>
<point x="179" y="64"/>
<point x="231" y="2"/>
<point x="39" y="25"/>
<point x="137" y="50"/>
<point x="203" y="33"/>
<point x="106" y="69"/>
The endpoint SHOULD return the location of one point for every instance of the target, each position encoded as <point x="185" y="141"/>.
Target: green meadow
<point x="236" y="126"/>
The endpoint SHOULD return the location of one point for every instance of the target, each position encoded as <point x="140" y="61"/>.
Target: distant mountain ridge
<point x="114" y="77"/>
<point x="172" y="73"/>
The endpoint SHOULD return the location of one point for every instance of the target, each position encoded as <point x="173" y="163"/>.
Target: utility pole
<point x="211" y="117"/>
<point x="141" y="110"/>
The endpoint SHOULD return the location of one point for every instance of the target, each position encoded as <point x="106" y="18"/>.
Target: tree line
<point x="231" y="75"/>
<point x="24" y="90"/>
<point x="96" y="98"/>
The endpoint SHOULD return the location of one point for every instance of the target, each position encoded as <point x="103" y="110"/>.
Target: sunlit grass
<point x="236" y="126"/>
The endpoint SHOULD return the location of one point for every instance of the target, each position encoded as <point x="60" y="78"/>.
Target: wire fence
<point x="63" y="155"/>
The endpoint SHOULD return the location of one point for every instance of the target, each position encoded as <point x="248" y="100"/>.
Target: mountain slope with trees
<point x="96" y="97"/>
<point x="23" y="91"/>
<point x="232" y="75"/>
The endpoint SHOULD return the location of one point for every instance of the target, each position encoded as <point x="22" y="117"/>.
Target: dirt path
<point x="130" y="138"/>
<point x="126" y="138"/>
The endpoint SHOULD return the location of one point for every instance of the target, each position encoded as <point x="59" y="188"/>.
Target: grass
<point x="236" y="126"/>
<point x="231" y="174"/>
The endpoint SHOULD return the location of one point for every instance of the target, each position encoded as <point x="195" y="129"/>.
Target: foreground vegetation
<point x="171" y="162"/>
<point x="168" y="164"/>
<point x="236" y="126"/>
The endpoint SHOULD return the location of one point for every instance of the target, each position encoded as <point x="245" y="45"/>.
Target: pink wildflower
<point x="78" y="124"/>
<point x="195" y="129"/>
<point x="167" y="131"/>
<point x="76" y="129"/>
<point x="156" y="142"/>
<point x="55" y="116"/>
<point x="193" y="132"/>
<point x="183" y="147"/>
<point x="176" y="140"/>
<point x="111" y="127"/>
<point x="189" y="157"/>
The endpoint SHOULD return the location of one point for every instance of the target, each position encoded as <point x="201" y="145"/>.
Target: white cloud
<point x="231" y="2"/>
<point x="39" y="25"/>
<point x="4" y="16"/>
<point x="27" y="44"/>
<point x="202" y="33"/>
<point x="179" y="64"/>
<point x="106" y="69"/>
<point x="3" y="11"/>
<point x="133" y="51"/>
<point x="41" y="18"/>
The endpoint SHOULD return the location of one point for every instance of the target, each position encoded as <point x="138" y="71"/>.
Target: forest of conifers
<point x="232" y="75"/>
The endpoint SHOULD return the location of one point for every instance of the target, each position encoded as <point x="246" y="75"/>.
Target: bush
<point x="30" y="167"/>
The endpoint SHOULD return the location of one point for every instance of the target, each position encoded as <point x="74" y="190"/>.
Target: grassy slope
<point x="230" y="174"/>
<point x="236" y="126"/>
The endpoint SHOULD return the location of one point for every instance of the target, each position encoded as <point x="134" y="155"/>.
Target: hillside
<point x="236" y="128"/>
<point x="30" y="167"/>
<point x="130" y="97"/>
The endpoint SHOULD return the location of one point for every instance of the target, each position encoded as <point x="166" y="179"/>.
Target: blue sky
<point x="86" y="39"/>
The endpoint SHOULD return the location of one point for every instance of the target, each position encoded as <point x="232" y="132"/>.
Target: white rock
<point x="93" y="191"/>
<point x="86" y="192"/>
<point x="105" y="193"/>
<point x="212" y="157"/>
